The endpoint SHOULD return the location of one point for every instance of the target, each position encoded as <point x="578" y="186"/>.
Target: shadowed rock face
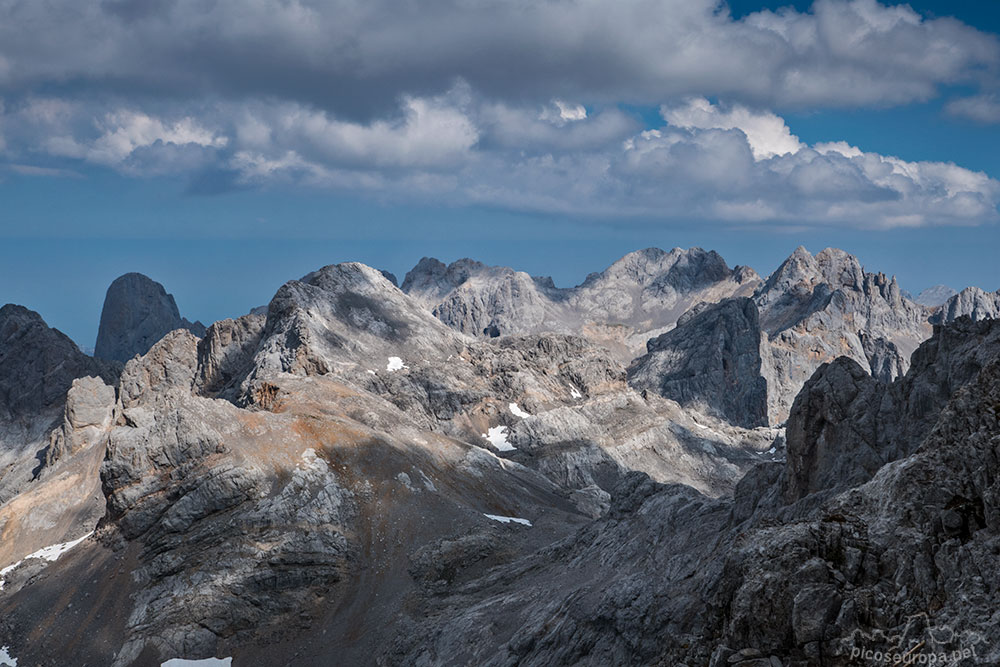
<point x="38" y="365"/>
<point x="137" y="312"/>
<point x="348" y="476"/>
<point x="845" y="425"/>
<point x="812" y="309"/>
<point x="670" y="577"/>
<point x="711" y="359"/>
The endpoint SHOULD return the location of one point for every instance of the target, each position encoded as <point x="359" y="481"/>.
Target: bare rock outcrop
<point x="137" y="312"/>
<point x="712" y="360"/>
<point x="894" y="563"/>
<point x="845" y="425"/>
<point x="88" y="415"/>
<point x="225" y="353"/>
<point x="385" y="489"/>
<point x="972" y="302"/>
<point x="815" y="309"/>
<point x="38" y="365"/>
<point x="641" y="295"/>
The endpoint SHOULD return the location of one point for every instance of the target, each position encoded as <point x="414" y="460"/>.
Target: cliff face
<point x="137" y="312"/>
<point x="641" y="295"/>
<point x="366" y="452"/>
<point x="815" y="309"/>
<point x="712" y="360"/>
<point x="879" y="548"/>
<point x="972" y="302"/>
<point x="811" y="310"/>
<point x="38" y="365"/>
<point x="342" y="474"/>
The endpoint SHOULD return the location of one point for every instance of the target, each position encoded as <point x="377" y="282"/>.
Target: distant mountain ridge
<point x="935" y="296"/>
<point x="639" y="296"/>
<point x="811" y="310"/>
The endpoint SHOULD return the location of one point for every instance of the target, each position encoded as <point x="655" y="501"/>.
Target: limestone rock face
<point x="897" y="559"/>
<point x="137" y="312"/>
<point x="811" y="309"/>
<point x="828" y="444"/>
<point x="711" y="359"/>
<point x="815" y="309"/>
<point x="347" y="313"/>
<point x="226" y="351"/>
<point x="641" y="295"/>
<point x="845" y="425"/>
<point x="971" y="301"/>
<point x="88" y="415"/>
<point x="383" y="489"/>
<point x="885" y="361"/>
<point x="38" y="365"/>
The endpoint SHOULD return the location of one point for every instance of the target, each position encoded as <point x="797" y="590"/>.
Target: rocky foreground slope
<point x="344" y="476"/>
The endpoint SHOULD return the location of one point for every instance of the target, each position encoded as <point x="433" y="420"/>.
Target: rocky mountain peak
<point x="712" y="360"/>
<point x="839" y="268"/>
<point x="37" y="363"/>
<point x="799" y="268"/>
<point x="137" y="312"/>
<point x="653" y="265"/>
<point x="974" y="302"/>
<point x="428" y="271"/>
<point x="935" y="296"/>
<point x="431" y="279"/>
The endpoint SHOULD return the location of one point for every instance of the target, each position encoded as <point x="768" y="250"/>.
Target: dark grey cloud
<point x="511" y="103"/>
<point x="357" y="58"/>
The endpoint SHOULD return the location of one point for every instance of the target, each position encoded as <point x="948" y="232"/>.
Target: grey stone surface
<point x="972" y="302"/>
<point x="340" y="505"/>
<point x="137" y="312"/>
<point x="812" y="310"/>
<point x="668" y="577"/>
<point x="935" y="296"/>
<point x="38" y="365"/>
<point x="639" y="296"/>
<point x="225" y="353"/>
<point x="815" y="309"/>
<point x="712" y="359"/>
<point x="845" y="425"/>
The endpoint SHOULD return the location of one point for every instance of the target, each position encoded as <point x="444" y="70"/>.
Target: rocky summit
<point x="137" y="312"/>
<point x="674" y="462"/>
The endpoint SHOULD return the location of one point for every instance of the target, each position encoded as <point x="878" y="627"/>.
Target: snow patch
<point x="371" y="372"/>
<point x="508" y="519"/>
<point x="772" y="450"/>
<point x="204" y="662"/>
<point x="395" y="364"/>
<point x="49" y="553"/>
<point x="574" y="392"/>
<point x="498" y="438"/>
<point x="517" y="412"/>
<point x="5" y="658"/>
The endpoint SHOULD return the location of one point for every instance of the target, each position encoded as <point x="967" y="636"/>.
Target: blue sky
<point x="222" y="175"/>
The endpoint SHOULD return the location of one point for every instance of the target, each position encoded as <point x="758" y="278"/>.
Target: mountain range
<point x="675" y="462"/>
